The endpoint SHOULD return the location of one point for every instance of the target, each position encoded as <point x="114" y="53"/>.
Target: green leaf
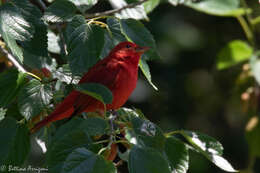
<point x="83" y="160"/>
<point x="35" y="50"/>
<point x="10" y="83"/>
<point x="19" y="21"/>
<point x="84" y="5"/>
<point x="145" y="134"/>
<point x="147" y="160"/>
<point x="177" y="154"/>
<point x="64" y="74"/>
<point x="113" y="36"/>
<point x="16" y="144"/>
<point x="146" y="71"/>
<point x="97" y="91"/>
<point x="135" y="31"/>
<point x="127" y="114"/>
<point x="150" y="5"/>
<point x="253" y="137"/>
<point x="59" y="149"/>
<point x="68" y="138"/>
<point x="13" y="112"/>
<point x="12" y="45"/>
<point x="38" y="62"/>
<point x="60" y="11"/>
<point x="38" y="44"/>
<point x="214" y="7"/>
<point x="2" y="113"/>
<point x="136" y="12"/>
<point x="53" y="42"/>
<point x="210" y="148"/>
<point x="92" y="126"/>
<point x="115" y="28"/>
<point x="14" y="24"/>
<point x="85" y="43"/>
<point x="33" y="98"/>
<point x="233" y="53"/>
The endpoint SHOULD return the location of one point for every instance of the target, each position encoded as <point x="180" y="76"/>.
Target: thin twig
<point x="248" y="32"/>
<point x="12" y="59"/>
<point x="110" y="12"/>
<point x="62" y="39"/>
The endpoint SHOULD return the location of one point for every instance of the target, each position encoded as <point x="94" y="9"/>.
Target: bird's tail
<point x="64" y="110"/>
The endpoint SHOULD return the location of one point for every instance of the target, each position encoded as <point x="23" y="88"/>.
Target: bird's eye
<point x="128" y="46"/>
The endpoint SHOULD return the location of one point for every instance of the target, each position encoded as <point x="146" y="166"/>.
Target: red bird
<point x="118" y="72"/>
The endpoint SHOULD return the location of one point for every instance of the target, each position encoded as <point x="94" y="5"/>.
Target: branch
<point x="12" y="59"/>
<point x="62" y="39"/>
<point x="110" y="12"/>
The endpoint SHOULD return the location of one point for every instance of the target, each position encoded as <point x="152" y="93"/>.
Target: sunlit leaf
<point x="33" y="98"/>
<point x="146" y="71"/>
<point x="213" y="7"/>
<point x="137" y="12"/>
<point x="14" y="23"/>
<point x="2" y="113"/>
<point x="177" y="154"/>
<point x="150" y="5"/>
<point x="84" y="5"/>
<point x="233" y="53"/>
<point x="19" y="20"/>
<point x="210" y="148"/>
<point x="145" y="134"/>
<point x="59" y="11"/>
<point x="53" y="42"/>
<point x="64" y="74"/>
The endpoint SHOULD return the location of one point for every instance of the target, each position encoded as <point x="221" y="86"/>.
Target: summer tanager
<point x="118" y="72"/>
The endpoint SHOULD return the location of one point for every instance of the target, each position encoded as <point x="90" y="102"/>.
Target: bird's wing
<point x="104" y="72"/>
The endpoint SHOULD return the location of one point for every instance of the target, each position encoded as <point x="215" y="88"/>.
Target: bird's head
<point x="128" y="51"/>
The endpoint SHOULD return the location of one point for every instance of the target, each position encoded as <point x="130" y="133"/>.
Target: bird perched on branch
<point x="118" y="72"/>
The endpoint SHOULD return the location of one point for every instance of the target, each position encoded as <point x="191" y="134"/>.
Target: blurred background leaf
<point x="214" y="7"/>
<point x="233" y="53"/>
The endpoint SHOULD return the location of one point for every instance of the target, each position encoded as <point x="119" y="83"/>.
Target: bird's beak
<point x="140" y="49"/>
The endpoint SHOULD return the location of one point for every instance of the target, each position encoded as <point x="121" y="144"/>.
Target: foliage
<point x="57" y="44"/>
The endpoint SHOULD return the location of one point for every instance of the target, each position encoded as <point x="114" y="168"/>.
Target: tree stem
<point x="247" y="30"/>
<point x="110" y="12"/>
<point x="12" y="59"/>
